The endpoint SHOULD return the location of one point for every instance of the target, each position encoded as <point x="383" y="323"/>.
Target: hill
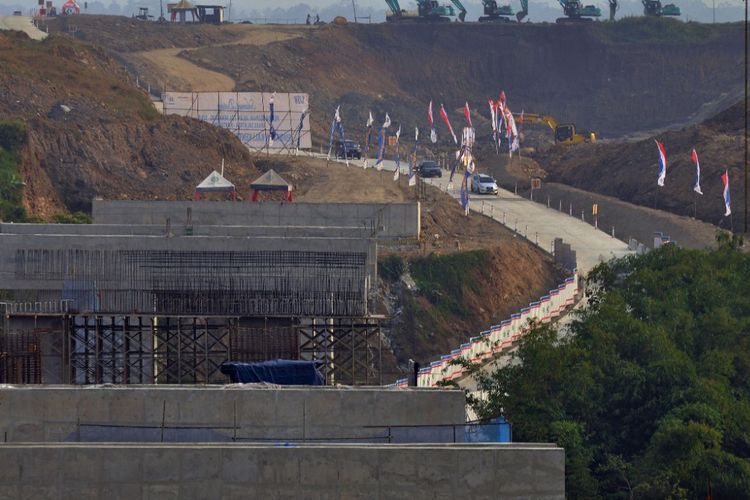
<point x="609" y="77"/>
<point x="90" y="132"/>
<point x="628" y="170"/>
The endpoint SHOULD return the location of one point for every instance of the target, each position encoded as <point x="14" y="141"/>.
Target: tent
<point x="270" y="181"/>
<point x="215" y="183"/>
<point x="70" y="8"/>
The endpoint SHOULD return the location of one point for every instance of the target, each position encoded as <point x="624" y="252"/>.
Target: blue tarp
<point x="278" y="371"/>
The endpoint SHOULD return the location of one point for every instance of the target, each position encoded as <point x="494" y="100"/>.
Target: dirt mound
<point x="629" y="170"/>
<point x="124" y="34"/>
<point x="93" y="134"/>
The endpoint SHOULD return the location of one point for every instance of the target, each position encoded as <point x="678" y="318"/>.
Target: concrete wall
<point x="10" y="243"/>
<point x="256" y="471"/>
<point x="58" y="413"/>
<point x="389" y="220"/>
<point x="179" y="230"/>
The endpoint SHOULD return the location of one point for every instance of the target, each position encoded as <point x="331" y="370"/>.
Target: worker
<point x="317" y="19"/>
<point x="308" y="19"/>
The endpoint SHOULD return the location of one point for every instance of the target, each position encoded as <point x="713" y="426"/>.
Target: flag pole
<point x="695" y="205"/>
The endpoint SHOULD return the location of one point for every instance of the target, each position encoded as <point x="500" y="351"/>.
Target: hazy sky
<point x="295" y="11"/>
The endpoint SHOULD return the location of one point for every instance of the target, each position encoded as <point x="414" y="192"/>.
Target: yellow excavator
<point x="565" y="133"/>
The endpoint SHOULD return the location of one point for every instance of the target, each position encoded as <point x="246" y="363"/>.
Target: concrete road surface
<point x="22" y="23"/>
<point x="536" y="222"/>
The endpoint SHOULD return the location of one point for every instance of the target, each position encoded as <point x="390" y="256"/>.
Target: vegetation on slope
<point x="650" y="394"/>
<point x="12" y="137"/>
<point x="446" y="298"/>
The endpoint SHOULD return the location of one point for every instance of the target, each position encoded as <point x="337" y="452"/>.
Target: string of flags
<point x="505" y="131"/>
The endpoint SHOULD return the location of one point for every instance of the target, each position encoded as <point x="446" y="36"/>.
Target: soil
<point x="92" y="133"/>
<point x="602" y="76"/>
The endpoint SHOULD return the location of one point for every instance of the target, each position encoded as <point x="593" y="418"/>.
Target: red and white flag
<point x="433" y="132"/>
<point x="467" y="114"/>
<point x="697" y="186"/>
<point x="444" y="116"/>
<point x="727" y="198"/>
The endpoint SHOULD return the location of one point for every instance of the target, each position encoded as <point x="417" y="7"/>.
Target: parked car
<point x="429" y="168"/>
<point x="483" y="184"/>
<point x="353" y="150"/>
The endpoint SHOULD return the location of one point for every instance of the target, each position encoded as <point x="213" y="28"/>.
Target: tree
<point x="650" y="393"/>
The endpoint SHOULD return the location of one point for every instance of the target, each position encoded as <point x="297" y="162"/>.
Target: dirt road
<point x="181" y="74"/>
<point x="22" y="23"/>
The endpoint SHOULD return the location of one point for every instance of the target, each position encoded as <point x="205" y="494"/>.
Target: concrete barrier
<point x="212" y="472"/>
<point x="384" y="220"/>
<point x="498" y="338"/>
<point x="62" y="413"/>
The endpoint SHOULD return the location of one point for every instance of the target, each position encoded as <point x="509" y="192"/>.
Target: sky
<point x="296" y="11"/>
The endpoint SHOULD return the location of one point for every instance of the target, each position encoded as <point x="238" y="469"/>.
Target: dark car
<point x="429" y="168"/>
<point x="352" y="150"/>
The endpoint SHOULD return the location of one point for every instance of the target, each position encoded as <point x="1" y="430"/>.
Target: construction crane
<point x="565" y="133"/>
<point x="613" y="7"/>
<point x="654" y="8"/>
<point x="576" y="12"/>
<point x="495" y="13"/>
<point x="427" y="10"/>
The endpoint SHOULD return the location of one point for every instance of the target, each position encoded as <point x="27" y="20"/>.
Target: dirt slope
<point x="629" y="170"/>
<point x="607" y="77"/>
<point x="93" y="134"/>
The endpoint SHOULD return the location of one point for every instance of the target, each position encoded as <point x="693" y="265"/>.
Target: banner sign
<point x="248" y="115"/>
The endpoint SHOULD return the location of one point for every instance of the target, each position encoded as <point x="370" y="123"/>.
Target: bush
<point x="12" y="134"/>
<point x="391" y="268"/>
<point x="74" y="218"/>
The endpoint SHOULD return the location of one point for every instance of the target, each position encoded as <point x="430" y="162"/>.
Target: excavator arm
<point x="394" y="6"/>
<point x="524" y="10"/>
<point x="536" y="118"/>
<point x="461" y="9"/>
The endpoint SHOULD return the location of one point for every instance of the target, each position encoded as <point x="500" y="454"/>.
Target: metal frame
<point x="350" y="349"/>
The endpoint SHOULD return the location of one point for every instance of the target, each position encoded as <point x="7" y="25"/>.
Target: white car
<point x="483" y="184"/>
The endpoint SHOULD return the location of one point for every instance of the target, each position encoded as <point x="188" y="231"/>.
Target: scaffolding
<point x="252" y="283"/>
<point x="128" y="349"/>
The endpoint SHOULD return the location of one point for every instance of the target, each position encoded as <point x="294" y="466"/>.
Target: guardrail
<point x="490" y="342"/>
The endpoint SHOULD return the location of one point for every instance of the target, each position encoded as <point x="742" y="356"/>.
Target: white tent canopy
<point x="215" y="182"/>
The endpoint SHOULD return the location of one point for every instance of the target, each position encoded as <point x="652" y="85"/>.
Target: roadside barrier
<point x="489" y="343"/>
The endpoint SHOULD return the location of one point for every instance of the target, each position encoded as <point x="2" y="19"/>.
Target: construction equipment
<point x="654" y="8"/>
<point x="143" y="14"/>
<point x="565" y="133"/>
<point x="427" y="10"/>
<point x="576" y="12"/>
<point x="614" y="6"/>
<point x="503" y="13"/>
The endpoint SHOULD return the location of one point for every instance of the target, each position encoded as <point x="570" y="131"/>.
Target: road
<point x="541" y="224"/>
<point x="22" y="23"/>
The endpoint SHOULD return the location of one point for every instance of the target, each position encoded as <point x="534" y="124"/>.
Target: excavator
<point x="427" y="10"/>
<point x="502" y="13"/>
<point x="654" y="8"/>
<point x="565" y="133"/>
<point x="576" y="12"/>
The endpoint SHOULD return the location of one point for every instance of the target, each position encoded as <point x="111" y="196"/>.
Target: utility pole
<point x="354" y="7"/>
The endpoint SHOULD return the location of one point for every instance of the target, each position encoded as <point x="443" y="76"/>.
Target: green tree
<point x="649" y="393"/>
